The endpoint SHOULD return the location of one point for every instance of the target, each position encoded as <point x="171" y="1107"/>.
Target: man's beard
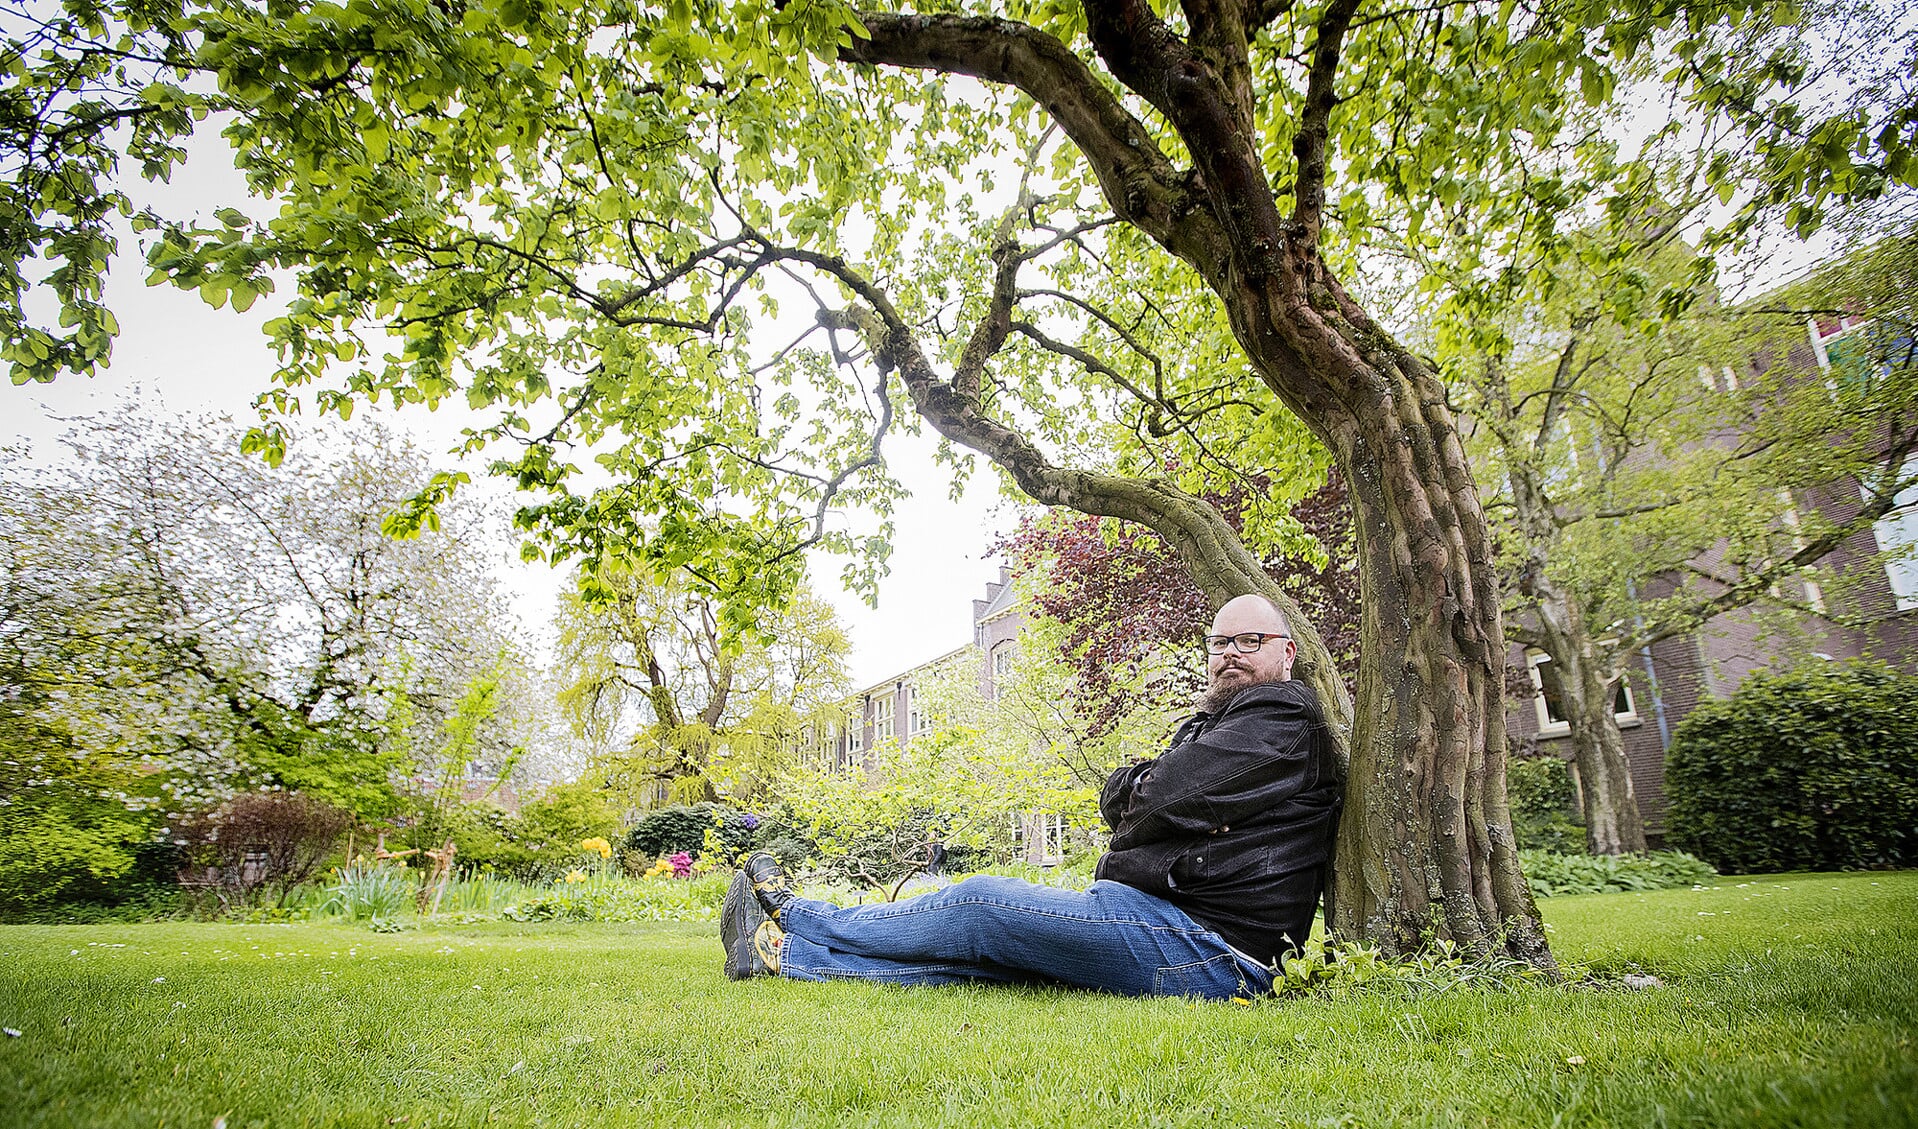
<point x="1219" y="697"/>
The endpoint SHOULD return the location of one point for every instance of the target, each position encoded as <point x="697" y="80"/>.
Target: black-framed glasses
<point x="1245" y="643"/>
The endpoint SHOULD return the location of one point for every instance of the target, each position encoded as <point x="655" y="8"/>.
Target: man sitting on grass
<point x="1216" y="864"/>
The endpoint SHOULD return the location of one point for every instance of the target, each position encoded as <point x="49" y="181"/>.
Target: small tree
<point x="1129" y="613"/>
<point x="668" y="692"/>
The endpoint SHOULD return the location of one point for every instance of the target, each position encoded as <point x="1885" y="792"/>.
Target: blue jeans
<point x="1109" y="937"/>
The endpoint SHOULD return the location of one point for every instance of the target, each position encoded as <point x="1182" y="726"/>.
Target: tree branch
<point x="1134" y="174"/>
<point x="1309" y="144"/>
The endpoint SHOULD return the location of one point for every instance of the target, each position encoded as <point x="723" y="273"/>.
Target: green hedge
<point x="1539" y="788"/>
<point x="682" y="828"/>
<point x="1816" y="769"/>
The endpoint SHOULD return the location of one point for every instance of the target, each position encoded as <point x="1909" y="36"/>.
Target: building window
<point x="856" y="731"/>
<point x="1001" y="668"/>
<point x="1546" y="699"/>
<point x="825" y="745"/>
<point x="882" y="727"/>
<point x="1052" y="838"/>
<point x="1897" y="534"/>
<point x="1039" y="837"/>
<point x="917" y="719"/>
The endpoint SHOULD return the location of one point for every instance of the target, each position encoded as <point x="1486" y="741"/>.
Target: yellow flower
<point x="596" y="844"/>
<point x="575" y="876"/>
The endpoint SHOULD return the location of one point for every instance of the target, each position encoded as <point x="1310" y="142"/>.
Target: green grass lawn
<point x="1787" y="1001"/>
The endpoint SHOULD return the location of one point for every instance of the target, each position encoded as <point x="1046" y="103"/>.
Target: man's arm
<point x="1258" y="755"/>
<point x="1117" y="794"/>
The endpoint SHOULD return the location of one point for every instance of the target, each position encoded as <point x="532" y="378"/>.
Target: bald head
<point x="1251" y="612"/>
<point x="1234" y="669"/>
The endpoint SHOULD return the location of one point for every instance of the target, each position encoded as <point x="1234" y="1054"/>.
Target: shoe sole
<point x="739" y="917"/>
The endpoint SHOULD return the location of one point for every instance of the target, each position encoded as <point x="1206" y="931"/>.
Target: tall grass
<point x="370" y="893"/>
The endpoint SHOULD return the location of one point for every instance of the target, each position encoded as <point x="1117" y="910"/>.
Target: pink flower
<point x="682" y="864"/>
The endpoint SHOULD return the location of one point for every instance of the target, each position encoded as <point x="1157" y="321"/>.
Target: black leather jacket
<point x="1234" y="823"/>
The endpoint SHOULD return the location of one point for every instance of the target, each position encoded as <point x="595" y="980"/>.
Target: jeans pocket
<point x="1216" y="978"/>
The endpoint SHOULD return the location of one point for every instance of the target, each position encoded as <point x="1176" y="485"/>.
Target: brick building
<point x="891" y="709"/>
<point x="1667" y="680"/>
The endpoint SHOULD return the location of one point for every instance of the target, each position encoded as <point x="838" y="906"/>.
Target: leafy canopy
<point x="572" y="215"/>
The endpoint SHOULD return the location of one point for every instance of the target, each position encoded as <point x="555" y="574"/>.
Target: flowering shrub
<point x="679" y="864"/>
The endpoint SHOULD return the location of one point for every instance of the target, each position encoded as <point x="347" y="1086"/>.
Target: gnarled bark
<point x="1425" y="825"/>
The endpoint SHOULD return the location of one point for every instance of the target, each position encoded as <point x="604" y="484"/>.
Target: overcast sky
<point x="184" y="357"/>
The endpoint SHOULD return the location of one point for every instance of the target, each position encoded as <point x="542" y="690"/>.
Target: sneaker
<point x="769" y="882"/>
<point x="740" y="917"/>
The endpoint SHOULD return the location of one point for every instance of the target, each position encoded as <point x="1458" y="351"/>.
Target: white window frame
<point x="1897" y="537"/>
<point x="1814" y="592"/>
<point x="883" y="717"/>
<point x="856" y="731"/>
<point x="1052" y="838"/>
<point x="917" y="720"/>
<point x="1549" y="726"/>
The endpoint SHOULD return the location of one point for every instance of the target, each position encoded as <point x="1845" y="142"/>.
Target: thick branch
<point x="1144" y="54"/>
<point x="1134" y="174"/>
<point x="1211" y="551"/>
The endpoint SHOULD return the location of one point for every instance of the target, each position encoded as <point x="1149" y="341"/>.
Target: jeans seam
<point x="905" y="910"/>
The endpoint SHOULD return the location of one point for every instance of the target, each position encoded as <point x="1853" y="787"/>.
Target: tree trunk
<point x="1587" y="687"/>
<point x="1613" y="825"/>
<point x="1425" y="840"/>
<point x="1425" y="824"/>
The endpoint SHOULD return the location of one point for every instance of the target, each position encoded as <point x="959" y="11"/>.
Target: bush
<point x="1540" y="791"/>
<point x="491" y="839"/>
<point x="68" y="834"/>
<point x="258" y="840"/>
<point x="682" y="828"/>
<point x="552" y="826"/>
<point x="368" y="893"/>
<point x="1816" y="769"/>
<point x="1551" y="874"/>
<point x="539" y="842"/>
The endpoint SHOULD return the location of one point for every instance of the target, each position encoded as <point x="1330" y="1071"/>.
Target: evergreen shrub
<point x="683" y="828"/>
<point x="1539" y="789"/>
<point x="1815" y="769"/>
